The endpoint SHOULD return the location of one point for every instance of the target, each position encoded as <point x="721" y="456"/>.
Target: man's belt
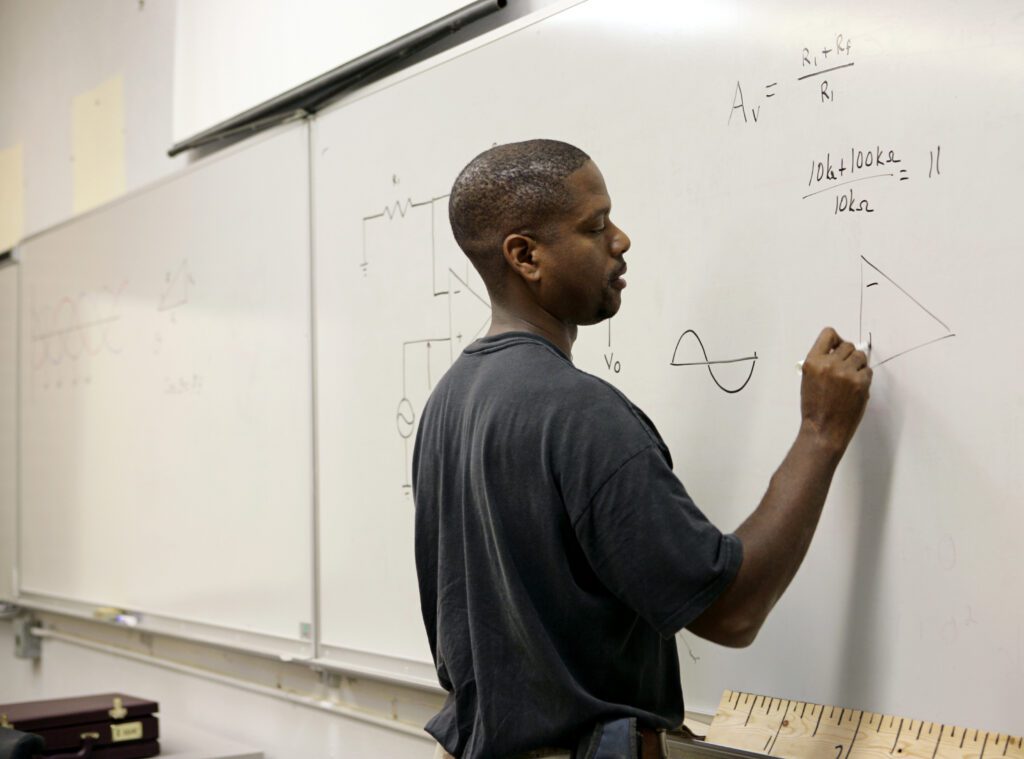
<point x="653" y="744"/>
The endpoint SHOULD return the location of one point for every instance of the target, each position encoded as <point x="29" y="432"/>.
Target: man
<point x="556" y="551"/>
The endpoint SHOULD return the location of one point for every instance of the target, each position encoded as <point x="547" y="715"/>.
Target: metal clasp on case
<point x="118" y="712"/>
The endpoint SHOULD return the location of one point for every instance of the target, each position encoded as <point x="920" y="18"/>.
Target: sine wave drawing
<point x="685" y="354"/>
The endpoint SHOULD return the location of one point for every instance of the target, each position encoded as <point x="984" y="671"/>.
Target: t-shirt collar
<point x="491" y="343"/>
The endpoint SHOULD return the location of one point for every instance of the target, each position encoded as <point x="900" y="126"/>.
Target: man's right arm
<point x="776" y="535"/>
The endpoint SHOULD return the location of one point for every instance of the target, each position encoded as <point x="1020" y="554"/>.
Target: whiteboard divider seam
<point x="314" y="409"/>
<point x="16" y="573"/>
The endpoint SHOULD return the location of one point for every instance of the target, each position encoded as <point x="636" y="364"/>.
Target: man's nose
<point x="620" y="242"/>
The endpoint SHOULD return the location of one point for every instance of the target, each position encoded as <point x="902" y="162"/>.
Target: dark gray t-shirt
<point x="557" y="553"/>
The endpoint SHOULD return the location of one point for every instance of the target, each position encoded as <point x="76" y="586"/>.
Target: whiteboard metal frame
<point x="391" y="669"/>
<point x="10" y="261"/>
<point x="307" y="96"/>
<point x="447" y="56"/>
<point x="261" y="644"/>
<point x="330" y="706"/>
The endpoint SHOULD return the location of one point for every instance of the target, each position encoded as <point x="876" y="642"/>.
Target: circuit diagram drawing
<point x="173" y="296"/>
<point x="892" y="321"/>
<point x="68" y="333"/>
<point x="176" y="287"/>
<point x="462" y="306"/>
<point x="611" y="363"/>
<point x="686" y="353"/>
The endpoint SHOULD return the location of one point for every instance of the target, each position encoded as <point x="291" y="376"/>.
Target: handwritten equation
<point x="827" y="66"/>
<point x="816" y="74"/>
<point x="859" y="165"/>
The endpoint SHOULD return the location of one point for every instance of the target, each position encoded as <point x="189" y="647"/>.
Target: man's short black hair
<point x="518" y="187"/>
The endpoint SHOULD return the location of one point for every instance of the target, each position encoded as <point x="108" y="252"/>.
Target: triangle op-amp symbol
<point x="175" y="292"/>
<point x="469" y="309"/>
<point x="892" y="321"/>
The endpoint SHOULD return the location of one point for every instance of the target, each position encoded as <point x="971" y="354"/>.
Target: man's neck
<point x="543" y="324"/>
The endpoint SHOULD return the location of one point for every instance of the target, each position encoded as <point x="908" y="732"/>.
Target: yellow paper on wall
<point x="12" y="197"/>
<point x="97" y="136"/>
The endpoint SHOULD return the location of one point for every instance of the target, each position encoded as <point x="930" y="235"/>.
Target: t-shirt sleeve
<point x="652" y="547"/>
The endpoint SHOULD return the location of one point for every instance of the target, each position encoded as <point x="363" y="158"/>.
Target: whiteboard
<point x="709" y="122"/>
<point x="8" y="427"/>
<point x="166" y="399"/>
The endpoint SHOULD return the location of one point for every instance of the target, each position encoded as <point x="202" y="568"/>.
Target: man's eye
<point x="597" y="231"/>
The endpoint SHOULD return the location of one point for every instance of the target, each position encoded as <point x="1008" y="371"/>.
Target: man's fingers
<point x="829" y="343"/>
<point x="844" y="350"/>
<point x="827" y="340"/>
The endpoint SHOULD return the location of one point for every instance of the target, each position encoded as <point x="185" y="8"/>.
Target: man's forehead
<point x="588" y="187"/>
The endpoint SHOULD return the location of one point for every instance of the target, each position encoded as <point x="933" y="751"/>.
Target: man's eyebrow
<point x="603" y="210"/>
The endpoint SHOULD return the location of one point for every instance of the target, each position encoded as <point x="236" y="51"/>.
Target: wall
<point x="85" y="98"/>
<point x="85" y="115"/>
<point x="220" y="73"/>
<point x="86" y="102"/>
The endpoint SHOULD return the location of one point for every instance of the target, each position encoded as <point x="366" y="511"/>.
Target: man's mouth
<point x="617" y="281"/>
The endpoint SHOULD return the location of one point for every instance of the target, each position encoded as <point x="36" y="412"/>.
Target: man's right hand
<point x="834" y="391"/>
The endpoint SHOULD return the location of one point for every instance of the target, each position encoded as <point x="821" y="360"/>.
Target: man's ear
<point x="520" y="253"/>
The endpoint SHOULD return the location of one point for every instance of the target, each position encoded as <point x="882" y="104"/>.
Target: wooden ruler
<point x="781" y="727"/>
